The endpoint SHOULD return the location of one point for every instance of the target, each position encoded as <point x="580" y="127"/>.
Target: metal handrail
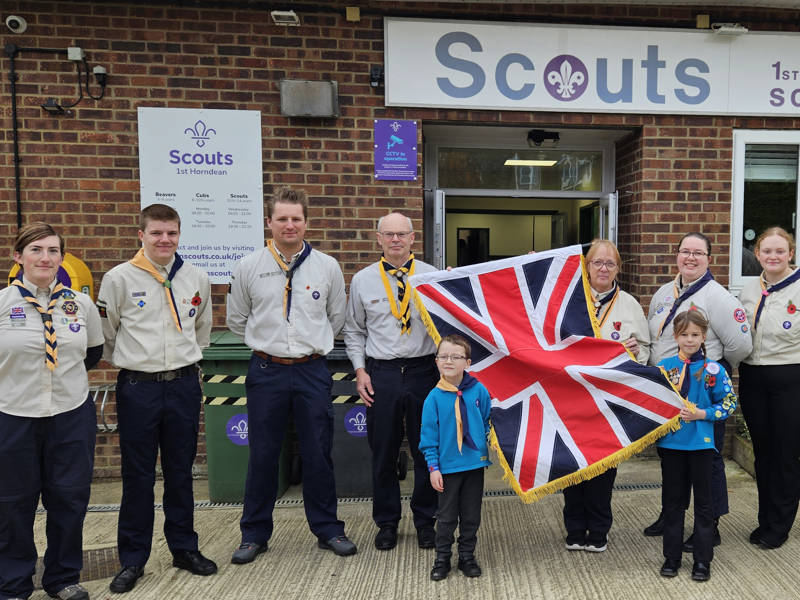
<point x="104" y="389"/>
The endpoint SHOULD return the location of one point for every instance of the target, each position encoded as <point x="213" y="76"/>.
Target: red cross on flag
<point x="566" y="405"/>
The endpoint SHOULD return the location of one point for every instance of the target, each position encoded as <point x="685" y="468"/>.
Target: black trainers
<point x="441" y="567"/>
<point x="469" y="566"/>
<point x="657" y="528"/>
<point x="340" y="545"/>
<point x="576" y="540"/>
<point x="386" y="538"/>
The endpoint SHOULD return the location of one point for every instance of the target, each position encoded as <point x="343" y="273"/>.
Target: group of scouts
<point x="153" y="317"/>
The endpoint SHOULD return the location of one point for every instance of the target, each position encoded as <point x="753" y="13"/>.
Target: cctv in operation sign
<point x="395" y="145"/>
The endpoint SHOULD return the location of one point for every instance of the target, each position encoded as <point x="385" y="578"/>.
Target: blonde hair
<point x="597" y="243"/>
<point x="779" y="231"/>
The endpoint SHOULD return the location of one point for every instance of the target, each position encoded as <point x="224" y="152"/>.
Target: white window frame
<point x="742" y="137"/>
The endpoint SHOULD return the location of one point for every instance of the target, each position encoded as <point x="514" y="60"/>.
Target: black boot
<point x="441" y="567"/>
<point x="657" y="528"/>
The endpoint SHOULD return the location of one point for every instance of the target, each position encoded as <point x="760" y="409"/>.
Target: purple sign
<point x="566" y="77"/>
<point x="395" y="149"/>
<point x="355" y="421"/>
<point x="236" y="429"/>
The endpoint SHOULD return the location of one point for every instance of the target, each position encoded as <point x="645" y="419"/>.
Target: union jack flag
<point x="565" y="405"/>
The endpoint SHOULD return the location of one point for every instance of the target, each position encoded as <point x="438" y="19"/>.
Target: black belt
<point x="161" y="375"/>
<point x="286" y="361"/>
<point x="402" y="363"/>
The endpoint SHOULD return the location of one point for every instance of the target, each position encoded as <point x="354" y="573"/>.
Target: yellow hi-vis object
<point x="72" y="273"/>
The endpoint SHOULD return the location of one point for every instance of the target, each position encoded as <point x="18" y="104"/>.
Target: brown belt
<point x="286" y="361"/>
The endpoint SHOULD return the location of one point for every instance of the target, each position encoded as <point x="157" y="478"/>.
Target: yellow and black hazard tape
<point x="342" y="384"/>
<point x="225" y="400"/>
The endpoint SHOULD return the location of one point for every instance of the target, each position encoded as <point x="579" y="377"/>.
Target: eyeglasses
<point x="599" y="264"/>
<point x="692" y="253"/>
<point x="401" y="235"/>
<point x="450" y="357"/>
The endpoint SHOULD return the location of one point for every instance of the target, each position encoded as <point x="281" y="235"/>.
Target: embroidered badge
<point x="739" y="315"/>
<point x="791" y="308"/>
<point x="710" y="380"/>
<point x="674" y="376"/>
<point x="68" y="295"/>
<point x="787" y="324"/>
<point x="712" y="368"/>
<point x="192" y="312"/>
<point x="744" y="328"/>
<point x="141" y="303"/>
<point x="196" y="299"/>
<point x="693" y="306"/>
<point x="70" y="307"/>
<point x="659" y="310"/>
<point x="138" y="294"/>
<point x="617" y="325"/>
<point x="103" y="312"/>
<point x="17" y="313"/>
<point x="76" y="327"/>
<point x="315" y="295"/>
<point x="615" y="335"/>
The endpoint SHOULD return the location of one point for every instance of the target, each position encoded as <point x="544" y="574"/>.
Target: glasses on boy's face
<point x="450" y="357"/>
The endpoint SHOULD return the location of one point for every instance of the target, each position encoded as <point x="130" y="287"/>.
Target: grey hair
<point x="410" y="226"/>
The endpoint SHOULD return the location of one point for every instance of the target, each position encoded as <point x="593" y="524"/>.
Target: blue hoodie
<point x="438" y="430"/>
<point x="714" y="393"/>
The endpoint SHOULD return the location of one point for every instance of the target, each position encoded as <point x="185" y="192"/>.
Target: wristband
<point x="433" y="467"/>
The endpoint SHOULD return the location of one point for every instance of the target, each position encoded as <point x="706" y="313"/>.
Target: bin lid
<point x="226" y="345"/>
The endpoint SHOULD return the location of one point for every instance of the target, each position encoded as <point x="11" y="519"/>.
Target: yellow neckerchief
<point x="687" y="361"/>
<point x="141" y="261"/>
<point x="288" y="272"/>
<point x="51" y="345"/>
<point x="610" y="304"/>
<point x="400" y="311"/>
<point x="445" y="385"/>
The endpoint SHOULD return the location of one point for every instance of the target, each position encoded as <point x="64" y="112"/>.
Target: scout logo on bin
<point x="236" y="429"/>
<point x="355" y="421"/>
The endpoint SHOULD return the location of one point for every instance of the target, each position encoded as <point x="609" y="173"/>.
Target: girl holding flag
<point x="727" y="340"/>
<point x="687" y="454"/>
<point x="768" y="381"/>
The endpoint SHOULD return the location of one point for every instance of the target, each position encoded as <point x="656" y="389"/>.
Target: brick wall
<point x="80" y="171"/>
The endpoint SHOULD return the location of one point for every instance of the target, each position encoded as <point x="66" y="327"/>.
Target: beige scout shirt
<point x="372" y="330"/>
<point x="30" y="389"/>
<point x="625" y="320"/>
<point x="139" y="329"/>
<point x="776" y="340"/>
<point x="255" y="304"/>
<point x="728" y="333"/>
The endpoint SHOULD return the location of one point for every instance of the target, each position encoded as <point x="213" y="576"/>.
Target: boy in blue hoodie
<point x="455" y="423"/>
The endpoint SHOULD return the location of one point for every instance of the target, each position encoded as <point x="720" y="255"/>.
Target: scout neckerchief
<point x="404" y="292"/>
<point x="289" y="272"/>
<point x="141" y="261"/>
<point x="50" y="346"/>
<point x="610" y="298"/>
<point x="679" y="299"/>
<point x="462" y="422"/>
<point x="684" y="382"/>
<point x="767" y="290"/>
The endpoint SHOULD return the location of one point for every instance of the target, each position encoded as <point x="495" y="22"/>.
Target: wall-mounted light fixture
<point x="376" y="76"/>
<point x="538" y="136"/>
<point x="728" y="28"/>
<point x="77" y="55"/>
<point x="287" y="18"/>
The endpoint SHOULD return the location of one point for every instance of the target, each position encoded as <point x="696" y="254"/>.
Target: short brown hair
<point x="779" y="231"/>
<point x="699" y="236"/>
<point x="158" y="212"/>
<point x="288" y="196"/>
<point x="33" y="232"/>
<point x="457" y="340"/>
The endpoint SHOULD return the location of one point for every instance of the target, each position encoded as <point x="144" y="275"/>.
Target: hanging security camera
<point x="16" y="24"/>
